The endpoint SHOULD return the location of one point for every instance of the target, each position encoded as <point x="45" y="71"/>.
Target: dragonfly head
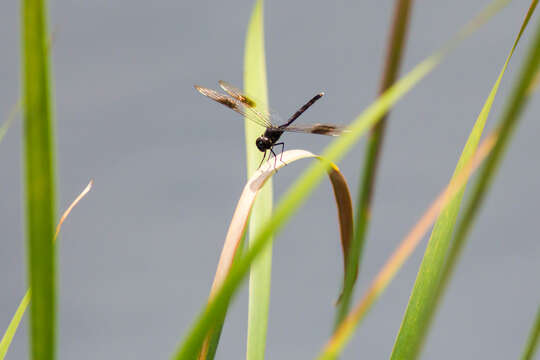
<point x="263" y="143"/>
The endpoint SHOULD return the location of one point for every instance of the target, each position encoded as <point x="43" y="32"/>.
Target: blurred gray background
<point x="137" y="256"/>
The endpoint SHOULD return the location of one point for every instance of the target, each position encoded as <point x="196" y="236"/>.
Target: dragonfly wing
<point x="321" y="129"/>
<point x="252" y="102"/>
<point x="241" y="107"/>
<point x="236" y="93"/>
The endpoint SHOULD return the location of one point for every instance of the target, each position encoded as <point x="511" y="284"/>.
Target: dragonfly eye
<point x="263" y="143"/>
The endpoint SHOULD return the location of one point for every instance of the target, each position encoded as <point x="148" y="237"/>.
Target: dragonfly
<point x="254" y="111"/>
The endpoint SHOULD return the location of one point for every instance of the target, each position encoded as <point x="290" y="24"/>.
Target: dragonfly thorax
<point x="268" y="139"/>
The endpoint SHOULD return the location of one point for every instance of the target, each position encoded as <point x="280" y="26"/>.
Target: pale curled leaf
<point x="248" y="196"/>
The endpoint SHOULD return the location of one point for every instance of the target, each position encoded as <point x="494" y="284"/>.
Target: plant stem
<point x="394" y="55"/>
<point x="40" y="183"/>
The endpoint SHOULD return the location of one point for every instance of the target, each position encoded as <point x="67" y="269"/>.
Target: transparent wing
<point x="321" y="129"/>
<point x="252" y="102"/>
<point x="243" y="107"/>
<point x="237" y="93"/>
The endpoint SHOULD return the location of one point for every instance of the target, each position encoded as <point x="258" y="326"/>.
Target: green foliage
<point x="294" y="198"/>
<point x="423" y="301"/>
<point x="442" y="254"/>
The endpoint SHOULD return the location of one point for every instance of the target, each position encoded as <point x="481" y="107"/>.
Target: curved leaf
<point x="241" y="215"/>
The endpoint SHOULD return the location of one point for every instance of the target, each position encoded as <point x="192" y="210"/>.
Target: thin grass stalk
<point x="40" y="178"/>
<point x="532" y="342"/>
<point x="394" y="54"/>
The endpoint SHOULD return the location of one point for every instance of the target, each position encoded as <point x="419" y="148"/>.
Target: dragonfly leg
<point x="281" y="154"/>
<point x="264" y="155"/>
<point x="275" y="157"/>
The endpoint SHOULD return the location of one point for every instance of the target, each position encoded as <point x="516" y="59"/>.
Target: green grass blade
<point x="373" y="149"/>
<point x="403" y="251"/>
<point x="423" y="301"/>
<point x="40" y="178"/>
<point x="260" y="275"/>
<point x="532" y="343"/>
<point x="13" y="325"/>
<point x="511" y="115"/>
<point x="299" y="191"/>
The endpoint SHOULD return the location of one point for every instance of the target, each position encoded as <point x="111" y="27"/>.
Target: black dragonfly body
<point x="247" y="106"/>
